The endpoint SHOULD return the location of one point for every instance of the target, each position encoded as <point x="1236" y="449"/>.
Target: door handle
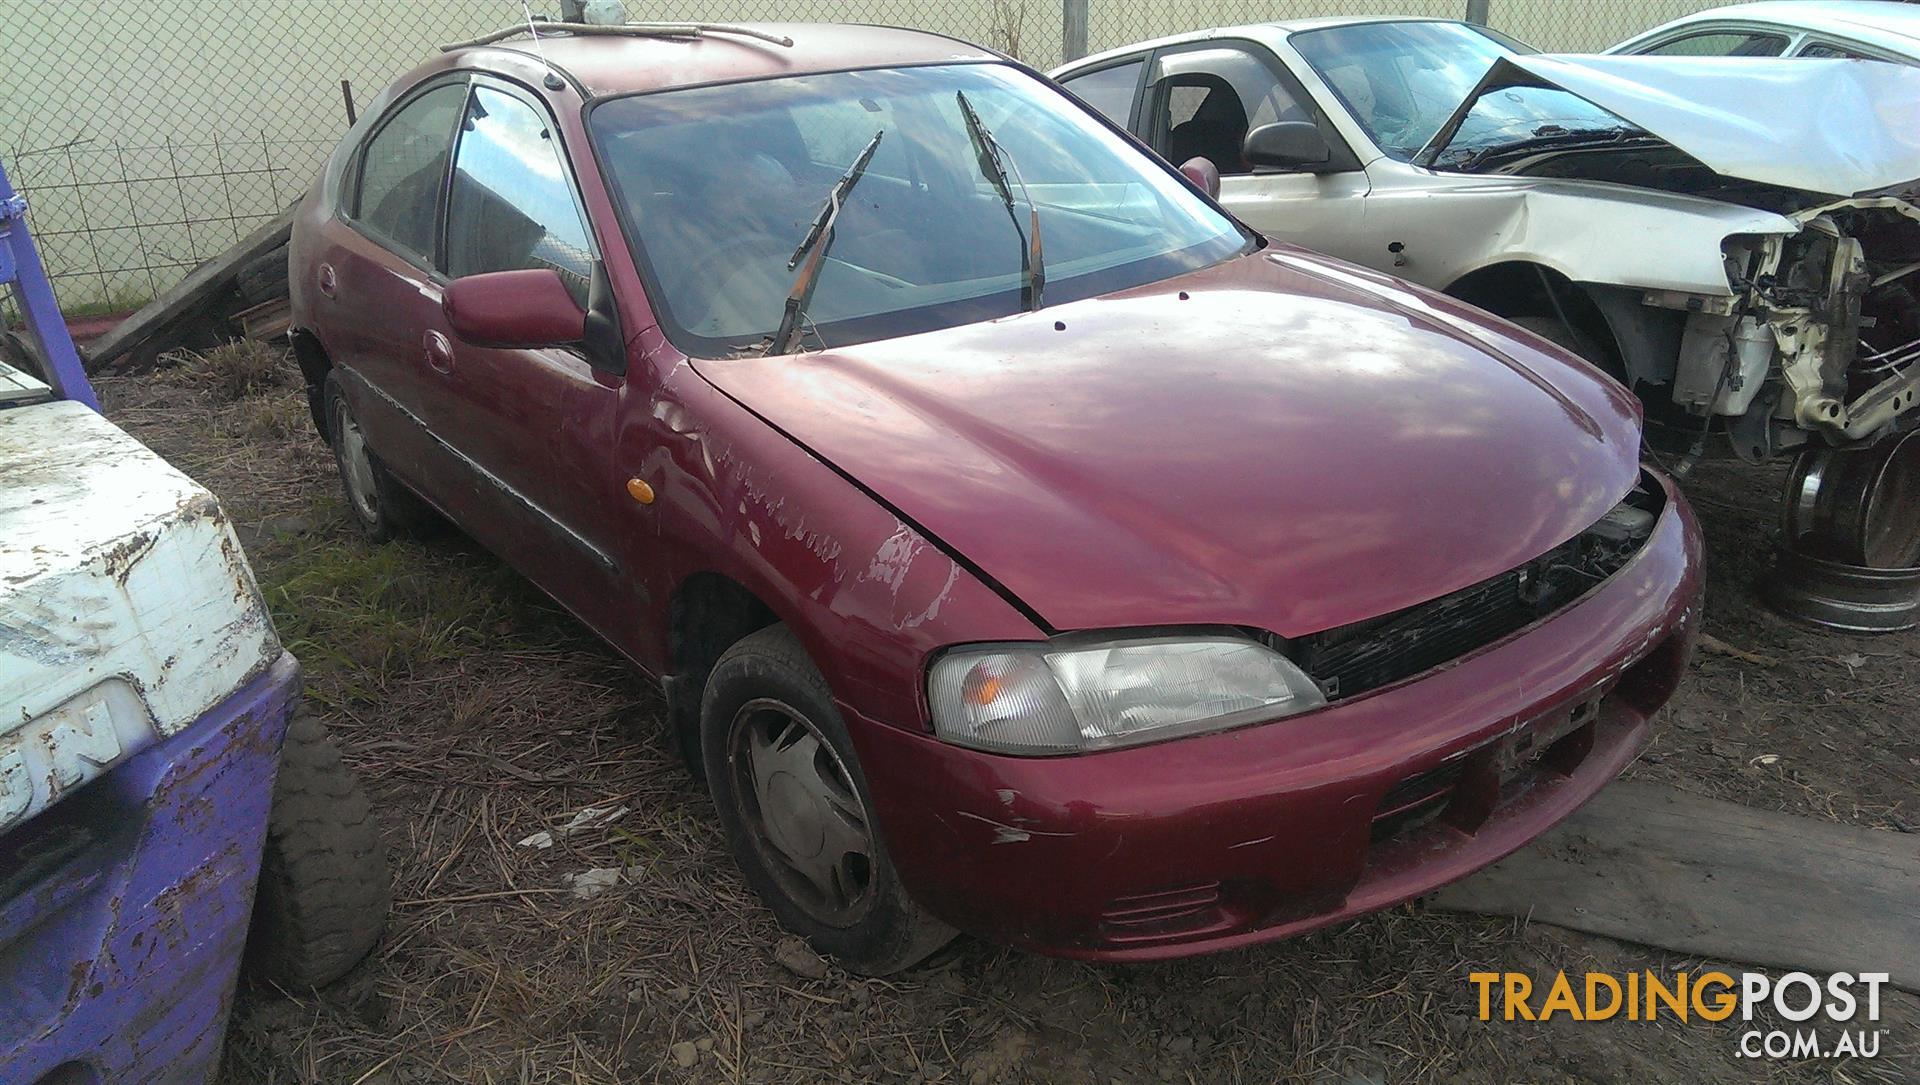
<point x="329" y="282"/>
<point x="439" y="352"/>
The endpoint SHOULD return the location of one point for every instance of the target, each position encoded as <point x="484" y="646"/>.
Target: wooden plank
<point x="188" y="297"/>
<point x="267" y="320"/>
<point x="1646" y="863"/>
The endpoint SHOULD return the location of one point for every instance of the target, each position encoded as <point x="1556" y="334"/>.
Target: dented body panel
<point x="1653" y="252"/>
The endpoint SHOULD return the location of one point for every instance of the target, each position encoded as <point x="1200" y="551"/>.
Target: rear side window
<point x="1831" y="51"/>
<point x="511" y="206"/>
<point x="1722" y="43"/>
<point x="402" y="168"/>
<point x="1109" y="90"/>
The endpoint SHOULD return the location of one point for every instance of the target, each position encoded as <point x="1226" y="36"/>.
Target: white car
<point x="1848" y="29"/>
<point x="1731" y="238"/>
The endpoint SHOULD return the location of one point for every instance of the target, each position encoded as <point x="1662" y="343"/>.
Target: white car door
<point x="1202" y="99"/>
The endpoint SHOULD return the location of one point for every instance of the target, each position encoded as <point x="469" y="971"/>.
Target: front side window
<point x="1109" y="90"/>
<point x="403" y="166"/>
<point x="1400" y="81"/>
<point x="718" y="185"/>
<point x="510" y="206"/>
<point x="1211" y="98"/>
<point x="1721" y="43"/>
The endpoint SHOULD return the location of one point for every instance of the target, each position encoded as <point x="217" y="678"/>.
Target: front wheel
<point x="796" y="810"/>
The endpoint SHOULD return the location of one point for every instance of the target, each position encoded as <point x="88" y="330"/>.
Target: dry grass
<point x="479" y="713"/>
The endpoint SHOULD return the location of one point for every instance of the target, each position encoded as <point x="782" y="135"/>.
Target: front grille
<point x="1353" y="659"/>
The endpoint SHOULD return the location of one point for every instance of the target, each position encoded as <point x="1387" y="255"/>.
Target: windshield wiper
<point x="819" y="238"/>
<point x="994" y="164"/>
<point x="1564" y="139"/>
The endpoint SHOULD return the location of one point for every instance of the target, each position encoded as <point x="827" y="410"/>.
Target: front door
<point x="1203" y="99"/>
<point x="536" y="428"/>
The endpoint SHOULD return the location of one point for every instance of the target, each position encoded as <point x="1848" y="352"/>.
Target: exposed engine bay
<point x="1813" y="339"/>
<point x="1821" y="337"/>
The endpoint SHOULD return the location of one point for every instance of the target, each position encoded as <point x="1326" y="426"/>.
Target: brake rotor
<point x="1857" y="506"/>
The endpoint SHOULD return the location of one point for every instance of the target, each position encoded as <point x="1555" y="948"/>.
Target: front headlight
<point x="1073" y="696"/>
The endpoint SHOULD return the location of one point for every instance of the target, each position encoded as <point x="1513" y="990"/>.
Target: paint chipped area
<point x="757" y="502"/>
<point x="114" y="565"/>
<point x="919" y="578"/>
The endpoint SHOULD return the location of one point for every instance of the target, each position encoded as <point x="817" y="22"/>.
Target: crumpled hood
<point x="1837" y="127"/>
<point x="1282" y="441"/>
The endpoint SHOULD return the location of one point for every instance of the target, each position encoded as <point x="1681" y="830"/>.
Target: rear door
<point x="378" y="290"/>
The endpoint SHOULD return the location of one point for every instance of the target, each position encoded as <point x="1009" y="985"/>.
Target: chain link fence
<point x="150" y="135"/>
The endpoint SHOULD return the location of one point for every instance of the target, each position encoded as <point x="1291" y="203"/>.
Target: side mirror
<point x="1289" y="145"/>
<point x="1204" y="173"/>
<point x="527" y="308"/>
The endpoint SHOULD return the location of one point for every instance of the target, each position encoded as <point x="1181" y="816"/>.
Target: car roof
<point x="1880" y="22"/>
<point x="628" y="63"/>
<point x="1268" y="31"/>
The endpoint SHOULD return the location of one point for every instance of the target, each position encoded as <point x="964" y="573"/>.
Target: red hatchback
<point x="1025" y="547"/>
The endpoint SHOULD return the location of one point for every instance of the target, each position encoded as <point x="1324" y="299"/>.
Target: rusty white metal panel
<point x="126" y="606"/>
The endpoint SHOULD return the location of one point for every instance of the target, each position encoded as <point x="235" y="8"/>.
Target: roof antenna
<point x="553" y="80"/>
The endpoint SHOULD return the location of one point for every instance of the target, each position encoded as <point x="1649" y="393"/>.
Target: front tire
<point x="797" y="812"/>
<point x="323" y="894"/>
<point x="383" y="507"/>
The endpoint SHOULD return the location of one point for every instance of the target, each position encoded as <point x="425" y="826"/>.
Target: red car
<point x="1025" y="547"/>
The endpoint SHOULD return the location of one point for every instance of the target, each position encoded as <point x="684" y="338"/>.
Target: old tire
<point x="264" y="277"/>
<point x="381" y="504"/>
<point x="324" y="892"/>
<point x="797" y="812"/>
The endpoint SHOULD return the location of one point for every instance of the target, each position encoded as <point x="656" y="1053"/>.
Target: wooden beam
<point x="189" y="297"/>
<point x="1646" y="863"/>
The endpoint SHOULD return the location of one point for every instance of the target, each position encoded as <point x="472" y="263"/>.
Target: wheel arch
<point x="708" y="613"/>
<point x="314" y="362"/>
<point x="1641" y="343"/>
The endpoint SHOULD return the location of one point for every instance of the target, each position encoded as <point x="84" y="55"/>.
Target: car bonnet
<point x="1837" y="127"/>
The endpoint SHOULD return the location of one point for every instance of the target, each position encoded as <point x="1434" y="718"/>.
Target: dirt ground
<point x="479" y="714"/>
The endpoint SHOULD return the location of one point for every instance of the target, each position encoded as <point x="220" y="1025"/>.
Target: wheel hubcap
<point x="355" y="465"/>
<point x="801" y="808"/>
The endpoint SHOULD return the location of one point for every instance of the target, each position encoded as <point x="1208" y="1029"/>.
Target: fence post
<point x="1073" y="29"/>
<point x="1477" y="11"/>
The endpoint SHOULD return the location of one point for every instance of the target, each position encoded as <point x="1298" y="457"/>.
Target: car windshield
<point x="719" y="184"/>
<point x="1402" y="80"/>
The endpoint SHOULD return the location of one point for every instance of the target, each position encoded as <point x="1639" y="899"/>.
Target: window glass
<point x="1213" y="98"/>
<point x="510" y="206"/>
<point x="1721" y="43"/>
<point x="719" y="184"/>
<point x="1831" y="51"/>
<point x="1109" y="90"/>
<point x="1400" y="81"/>
<point x="403" y="166"/>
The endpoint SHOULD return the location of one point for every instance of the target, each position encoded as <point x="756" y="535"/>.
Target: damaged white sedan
<point x="1735" y="239"/>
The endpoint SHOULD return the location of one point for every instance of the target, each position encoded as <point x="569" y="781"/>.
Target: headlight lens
<point x="1049" y="698"/>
